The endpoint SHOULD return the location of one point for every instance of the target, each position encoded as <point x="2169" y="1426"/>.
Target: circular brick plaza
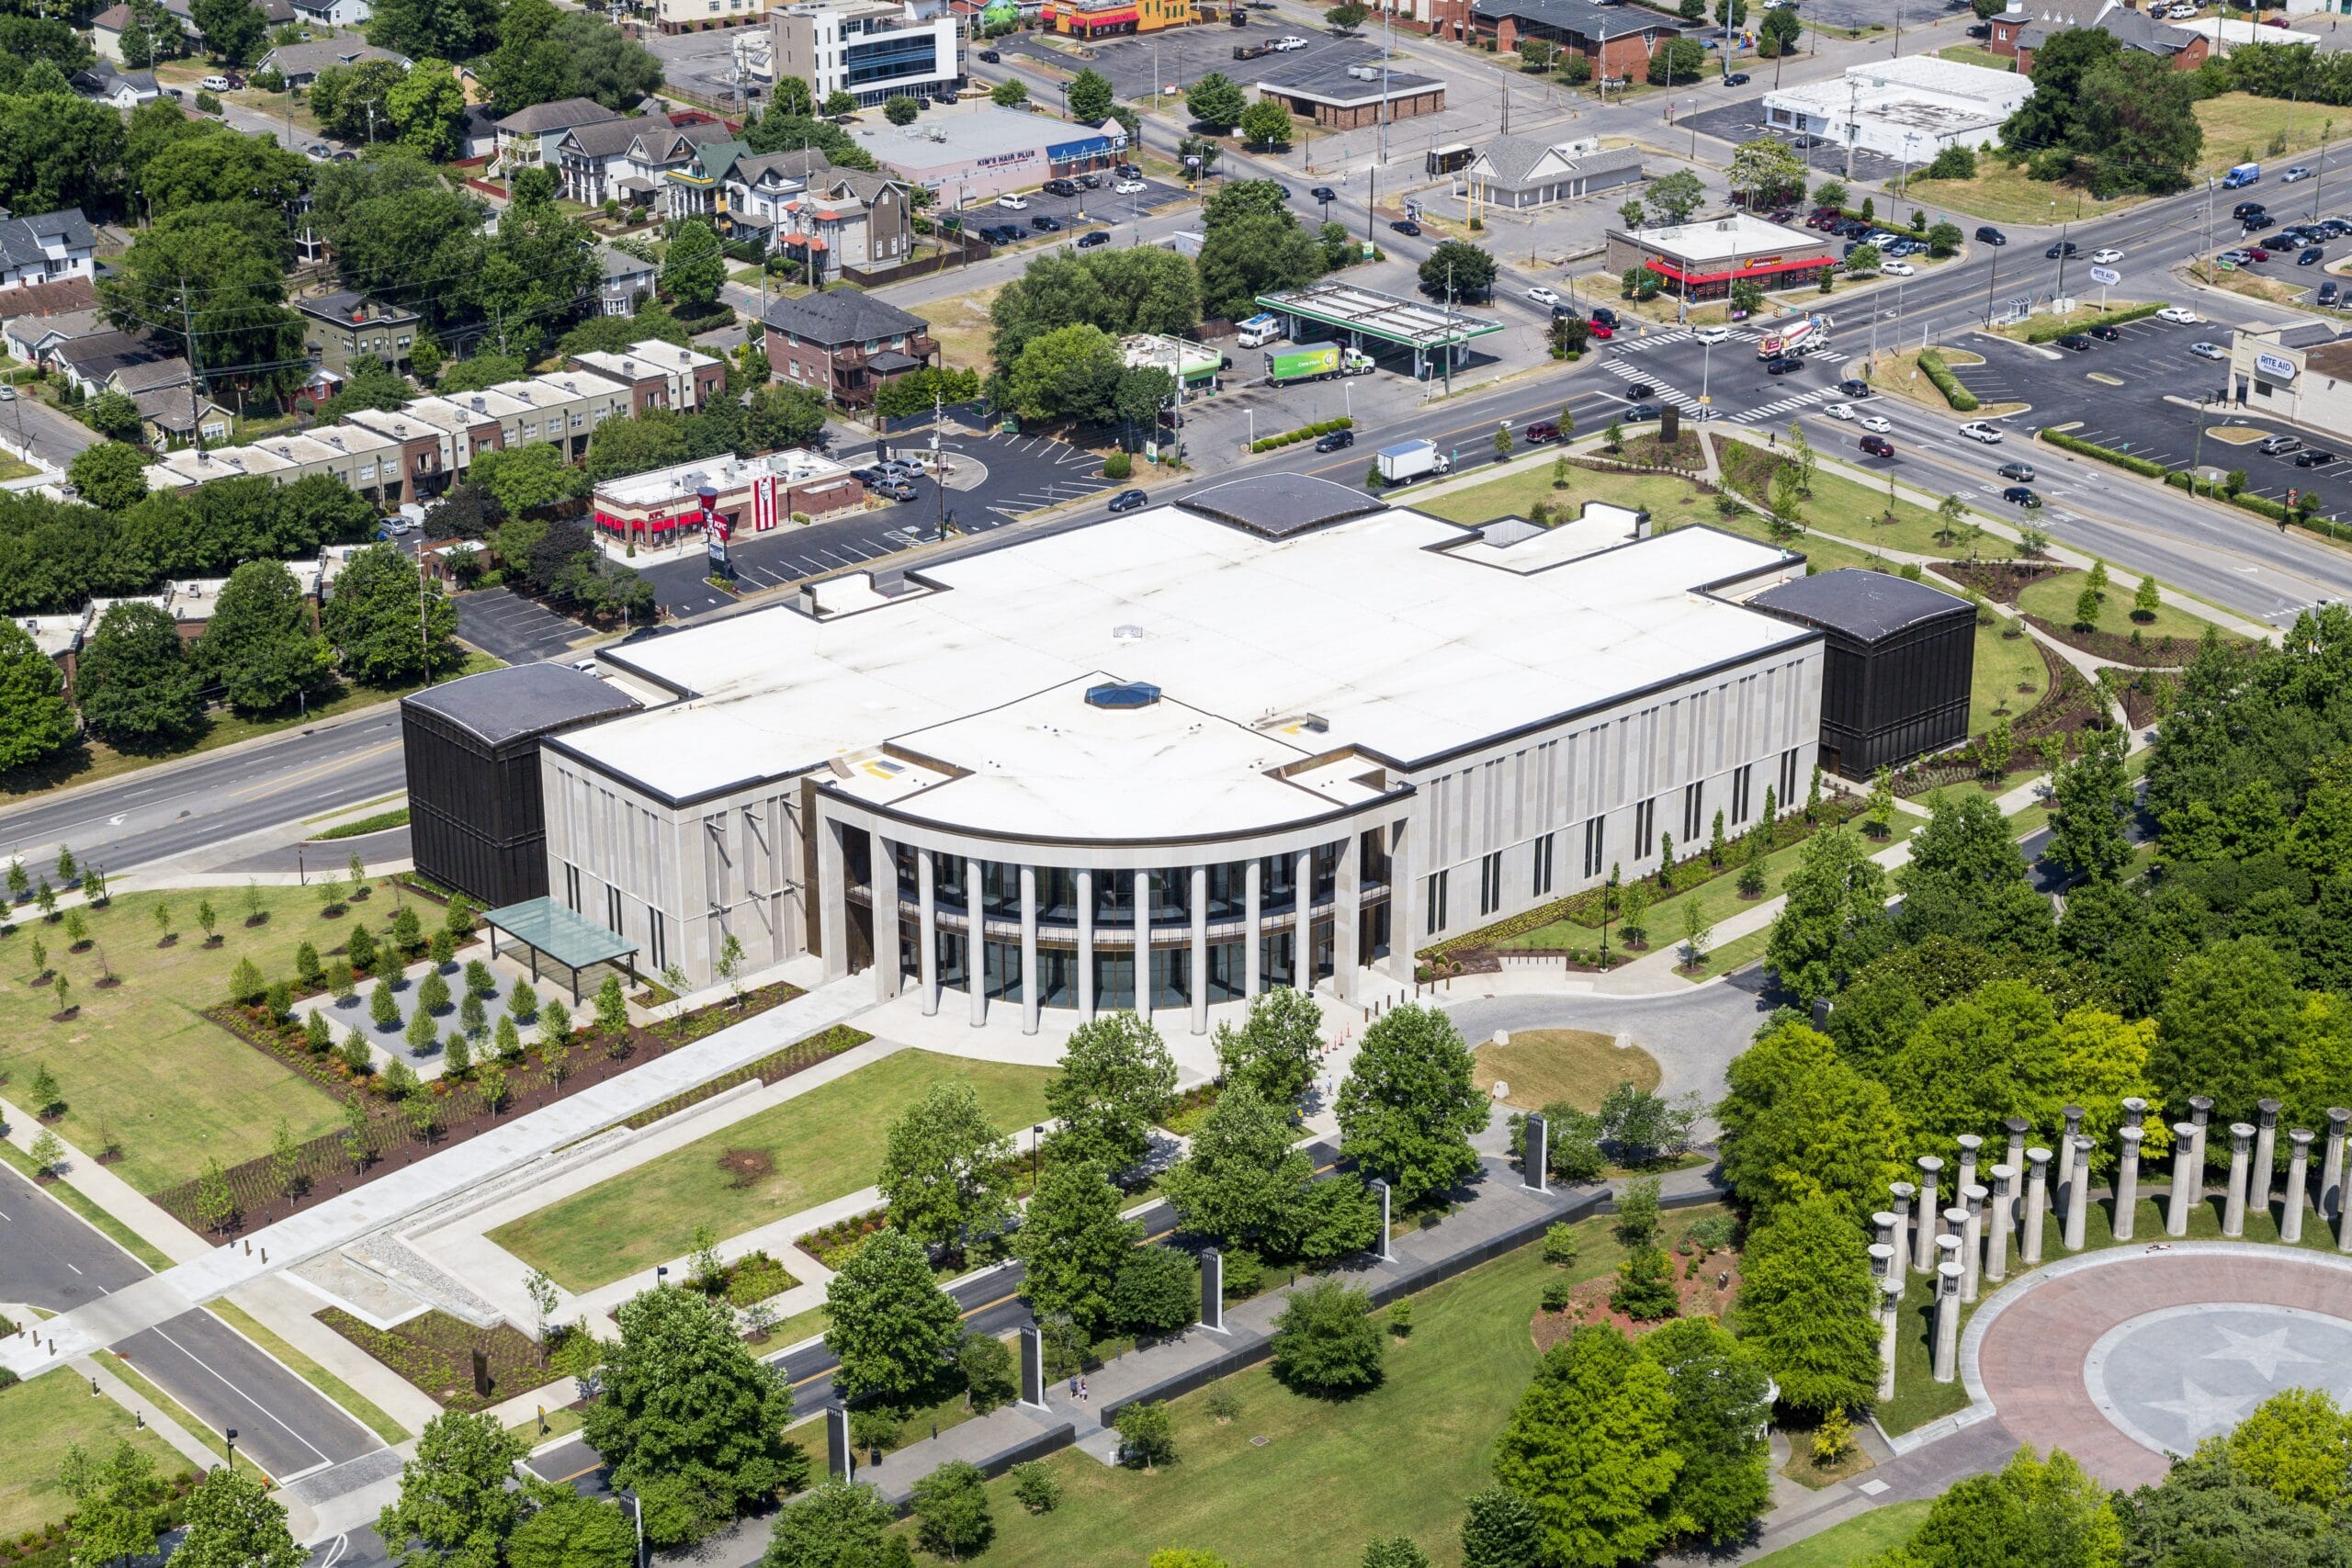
<point x="2123" y="1356"/>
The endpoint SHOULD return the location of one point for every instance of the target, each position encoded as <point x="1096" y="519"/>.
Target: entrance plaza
<point x="1278" y="734"/>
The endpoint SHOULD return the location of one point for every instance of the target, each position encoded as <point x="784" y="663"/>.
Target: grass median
<point x="821" y="1145"/>
<point x="45" y="1415"/>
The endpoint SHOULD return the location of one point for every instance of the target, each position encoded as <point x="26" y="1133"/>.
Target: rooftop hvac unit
<point x="1364" y="73"/>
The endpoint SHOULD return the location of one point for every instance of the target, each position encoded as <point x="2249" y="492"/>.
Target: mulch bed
<point x="2151" y="653"/>
<point x="434" y="1353"/>
<point x="2148" y="696"/>
<point x="2069" y="703"/>
<point x="1589" y="1302"/>
<point x="2000" y="580"/>
<point x="323" y="1166"/>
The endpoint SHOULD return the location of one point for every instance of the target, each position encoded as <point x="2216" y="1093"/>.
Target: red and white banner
<point x="764" y="504"/>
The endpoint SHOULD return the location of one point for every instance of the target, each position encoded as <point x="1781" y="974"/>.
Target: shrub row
<point x="1958" y="396"/>
<point x="2140" y="466"/>
<point x="1904" y="230"/>
<point x="2243" y="499"/>
<point x="1291" y="437"/>
<point x="2049" y="330"/>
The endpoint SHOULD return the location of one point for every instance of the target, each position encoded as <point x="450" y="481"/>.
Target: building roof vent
<point x="1129" y="632"/>
<point x="1123" y="695"/>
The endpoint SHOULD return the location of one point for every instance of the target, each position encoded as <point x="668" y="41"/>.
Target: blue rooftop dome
<point x="1123" y="695"/>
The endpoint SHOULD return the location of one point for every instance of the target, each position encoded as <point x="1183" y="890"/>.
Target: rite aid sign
<point x="2277" y="366"/>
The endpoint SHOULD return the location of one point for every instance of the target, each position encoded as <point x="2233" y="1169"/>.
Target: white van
<point x="1260" y="330"/>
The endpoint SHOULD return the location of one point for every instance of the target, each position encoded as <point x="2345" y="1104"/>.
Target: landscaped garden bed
<point x="836" y="1244"/>
<point x="434" y="1353"/>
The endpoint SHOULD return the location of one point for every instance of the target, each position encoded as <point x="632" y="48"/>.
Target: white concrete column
<point x="2016" y="1127"/>
<point x="1347" y="914"/>
<point x="2266" y="1155"/>
<point x="886" y="920"/>
<point x="2186" y="1179"/>
<point x="2330" y="1170"/>
<point x="832" y="907"/>
<point x="976" y="948"/>
<point x="1947" y="1364"/>
<point x="1302" y="962"/>
<point x="1924" y="1253"/>
<point x="2200" y="1111"/>
<point x="1085" y="944"/>
<point x="2127" y="1183"/>
<point x="1972" y="1253"/>
<point x="1405" y="893"/>
<point x="2078" y="1211"/>
<point x="1254" y="900"/>
<point x="1882" y="1234"/>
<point x="1969" y="1144"/>
<point x="1904" y="1192"/>
<point x="2234" y="1201"/>
<point x="2299" y="1173"/>
<point x="2037" y="1196"/>
<point x="927" y="916"/>
<point x="1890" y="1325"/>
<point x="1143" y="944"/>
<point x="1996" y="1223"/>
<point x="2069" y="1181"/>
<point x="1200" y="964"/>
<point x="1031" y="993"/>
<point x="1882" y="1259"/>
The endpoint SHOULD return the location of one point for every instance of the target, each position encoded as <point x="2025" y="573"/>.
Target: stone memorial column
<point x="2234" y="1201"/>
<point x="1924" y="1254"/>
<point x="1971" y="1239"/>
<point x="2135" y="1111"/>
<point x="2016" y="1127"/>
<point x="1947" y="1368"/>
<point x="1948" y="1251"/>
<point x="2068" y="1182"/>
<point x="2299" y="1172"/>
<point x="1882" y="1229"/>
<point x="1969" y="1144"/>
<point x="2184" y="1178"/>
<point x="1535" y="1153"/>
<point x="1996" y="1228"/>
<point x="2200" y="1111"/>
<point x="2330" y="1170"/>
<point x="2127" y="1182"/>
<point x="1904" y="1192"/>
<point x="2343" y="1241"/>
<point x="2266" y="1155"/>
<point x="1213" y="1290"/>
<point x="1882" y="1259"/>
<point x="1380" y="1190"/>
<point x="2078" y="1212"/>
<point x="1890" y="1328"/>
<point x="1033" y="1367"/>
<point x="2037" y="1199"/>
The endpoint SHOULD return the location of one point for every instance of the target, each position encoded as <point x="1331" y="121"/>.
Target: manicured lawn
<point x="1397" y="1460"/>
<point x="1669" y="500"/>
<point x="2003" y="664"/>
<point x="1543" y="1066"/>
<point x="2089" y="310"/>
<point x="138" y="1064"/>
<point x="2053" y="598"/>
<point x="1822" y="551"/>
<point x="1855" y="1542"/>
<point x="1733" y="956"/>
<point x="825" y="1143"/>
<point x="42" y="1416"/>
<point x="1973" y="54"/>
<point x="1718" y="900"/>
<point x="93" y="759"/>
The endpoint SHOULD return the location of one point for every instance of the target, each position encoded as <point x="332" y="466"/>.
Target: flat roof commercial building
<point x="972" y="155"/>
<point x="750" y="495"/>
<point x="1115" y="18"/>
<point x="1343" y="97"/>
<point x="871" y="50"/>
<point x="1909" y="109"/>
<point x="1278" y="734"/>
<point x="1703" y="260"/>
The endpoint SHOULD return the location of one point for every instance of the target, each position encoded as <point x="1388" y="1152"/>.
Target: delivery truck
<point x="1260" y="330"/>
<point x="1410" y="460"/>
<point x="1314" y="362"/>
<point x="2241" y="176"/>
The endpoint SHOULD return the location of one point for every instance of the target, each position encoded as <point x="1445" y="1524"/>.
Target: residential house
<point x="94" y="363"/>
<point x="107" y="29"/>
<point x="629" y="159"/>
<point x="625" y="281"/>
<point x="746" y="190"/>
<point x="340" y="327"/>
<point x="124" y="90"/>
<point x="274" y="14"/>
<point x="660" y="374"/>
<point x="1519" y="172"/>
<point x="48" y="248"/>
<point x="32" y="337"/>
<point x="846" y="219"/>
<point x="169" y="419"/>
<point x="844" y="343"/>
<point x="334" y="12"/>
<point x="137" y="378"/>
<point x="2018" y="32"/>
<point x="1617" y="40"/>
<point x="530" y="137"/>
<point x="300" y="63"/>
<point x="48" y="301"/>
<point x="480" y="136"/>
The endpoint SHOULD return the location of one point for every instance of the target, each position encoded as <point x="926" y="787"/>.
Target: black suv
<point x="1335" y="440"/>
<point x="1988" y="235"/>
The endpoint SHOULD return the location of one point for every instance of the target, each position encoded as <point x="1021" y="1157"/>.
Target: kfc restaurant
<point x="741" y="496"/>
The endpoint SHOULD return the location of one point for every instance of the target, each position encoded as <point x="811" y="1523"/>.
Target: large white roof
<point x="1269" y="651"/>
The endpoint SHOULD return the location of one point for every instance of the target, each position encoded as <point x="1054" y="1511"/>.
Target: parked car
<point x="2310" y="256"/>
<point x="2107" y="255"/>
<point x="2017" y="495"/>
<point x="1091" y="182"/>
<point x="1128" y="499"/>
<point x="1982" y="430"/>
<point x="1897" y="268"/>
<point x="2280" y="445"/>
<point x="1543" y="430"/>
<point x="1093" y="238"/>
<point x="892" y="489"/>
<point x="2021" y="472"/>
<point x="1406" y="226"/>
<point x="1324" y="193"/>
<point x="2106" y="333"/>
<point x="2180" y="315"/>
<point x="2327" y="292"/>
<point x="1058" y="186"/>
<point x="1988" y="235"/>
<point x="319" y="152"/>
<point x="1129" y="187"/>
<point x="2235" y="257"/>
<point x="2313" y="458"/>
<point x="1878" y="446"/>
<point x="2256" y="254"/>
<point x="1289" y="41"/>
<point x="1013" y="203"/>
<point x="1044" y="223"/>
<point x="1544" y="296"/>
<point x="2209" y="351"/>
<point x="1332" y="441"/>
<point x="2075" y="342"/>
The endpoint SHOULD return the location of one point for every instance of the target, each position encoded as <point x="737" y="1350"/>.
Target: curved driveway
<point x="1694" y="1034"/>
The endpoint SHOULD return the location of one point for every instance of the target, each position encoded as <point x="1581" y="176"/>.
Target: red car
<point x="1601" y="329"/>
<point x="1541" y="430"/>
<point x="2258" y="254"/>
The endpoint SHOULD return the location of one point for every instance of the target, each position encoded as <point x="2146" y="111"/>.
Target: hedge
<point x="1958" y="396"/>
<point x="2179" y="480"/>
<point x="1291" y="437"/>
<point x="2049" y="330"/>
<point x="2140" y="466"/>
<point x="1904" y="230"/>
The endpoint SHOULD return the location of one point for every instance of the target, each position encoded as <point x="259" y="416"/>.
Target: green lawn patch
<point x="1855" y="1542"/>
<point x="1972" y="54"/>
<point x="823" y="1144"/>
<point x="396" y="818"/>
<point x="1544" y="1067"/>
<point x="1846" y="508"/>
<point x="139" y="1065"/>
<point x="1668" y="500"/>
<point x="2003" y="665"/>
<point x="2002" y="192"/>
<point x="1733" y="956"/>
<point x="2053" y="599"/>
<point x="1303" y="1483"/>
<point x="43" y="1417"/>
<point x="559" y="1422"/>
<point x="2239" y="126"/>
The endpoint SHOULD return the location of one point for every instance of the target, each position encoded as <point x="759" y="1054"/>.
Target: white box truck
<point x="1260" y="330"/>
<point x="1410" y="460"/>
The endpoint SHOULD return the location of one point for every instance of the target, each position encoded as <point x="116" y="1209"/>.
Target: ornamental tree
<point x="1073" y="1244"/>
<point x="232" y="1522"/>
<point x="454" y="1507"/>
<point x="837" y="1525"/>
<point x="1275" y="1049"/>
<point x="1587" y="1450"/>
<point x="1408" y="1106"/>
<point x="1326" y="1341"/>
<point x="893" y="1328"/>
<point x="576" y="1532"/>
<point x="946" y="1171"/>
<point x="1242" y="1181"/>
<point x="1720" y="1405"/>
<point x="1806" y="1306"/>
<point x="1117" y="1079"/>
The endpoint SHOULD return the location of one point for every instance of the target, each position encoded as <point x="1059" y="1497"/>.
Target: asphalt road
<point x="51" y="1259"/>
<point x="50" y="436"/>
<point x="169" y="811"/>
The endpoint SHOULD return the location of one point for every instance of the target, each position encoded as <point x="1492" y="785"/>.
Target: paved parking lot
<point x="506" y="626"/>
<point x="703" y="63"/>
<point x="1086" y="210"/>
<point x="1744" y="121"/>
<point x="1185" y="55"/>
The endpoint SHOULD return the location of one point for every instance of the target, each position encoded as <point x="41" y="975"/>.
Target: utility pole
<point x="194" y="372"/>
<point x="1853" y="132"/>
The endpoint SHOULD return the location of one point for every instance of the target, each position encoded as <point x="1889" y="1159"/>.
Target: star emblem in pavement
<point x="2203" y="1413"/>
<point x="2263" y="1352"/>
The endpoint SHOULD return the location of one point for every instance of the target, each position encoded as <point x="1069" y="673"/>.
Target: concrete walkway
<point x="440" y="1177"/>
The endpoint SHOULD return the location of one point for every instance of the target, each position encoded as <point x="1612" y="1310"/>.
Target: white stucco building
<point x="1276" y="734"/>
<point x="1910" y="109"/>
